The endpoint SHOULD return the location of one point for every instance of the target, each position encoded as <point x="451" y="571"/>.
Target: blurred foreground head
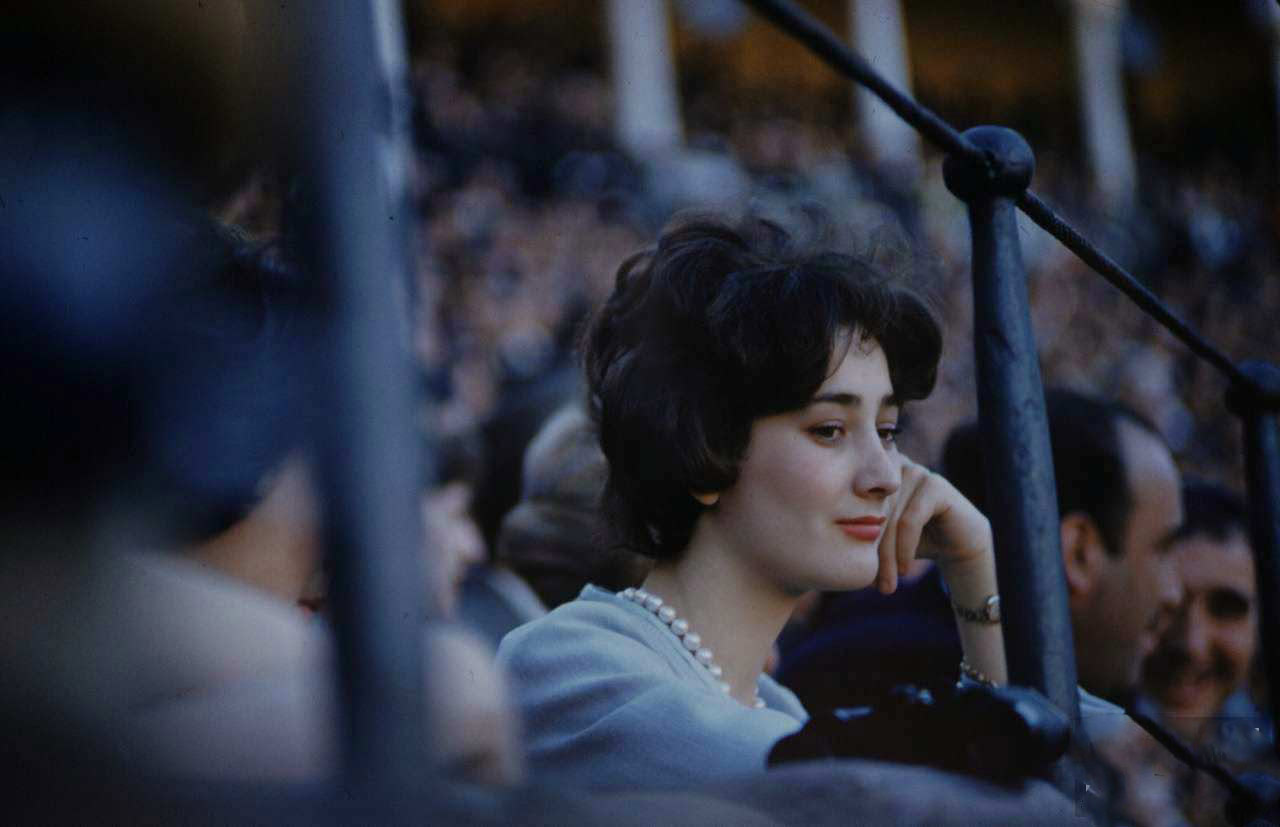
<point x="134" y="331"/>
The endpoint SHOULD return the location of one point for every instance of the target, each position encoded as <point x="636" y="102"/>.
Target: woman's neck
<point x="737" y="611"/>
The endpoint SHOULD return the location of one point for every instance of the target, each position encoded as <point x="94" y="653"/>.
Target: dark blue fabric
<point x="864" y="643"/>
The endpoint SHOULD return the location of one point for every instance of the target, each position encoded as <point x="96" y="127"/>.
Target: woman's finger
<point x="887" y="573"/>
<point x="922" y="508"/>
<point x="889" y="552"/>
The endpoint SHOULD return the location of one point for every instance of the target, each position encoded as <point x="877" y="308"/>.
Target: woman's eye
<point x="889" y="434"/>
<point x="827" y="433"/>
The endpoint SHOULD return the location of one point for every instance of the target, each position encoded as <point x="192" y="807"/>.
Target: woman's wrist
<point x="970" y="581"/>
<point x="972" y="584"/>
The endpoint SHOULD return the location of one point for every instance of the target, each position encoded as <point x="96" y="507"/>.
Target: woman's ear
<point x="1082" y="553"/>
<point x="707" y="498"/>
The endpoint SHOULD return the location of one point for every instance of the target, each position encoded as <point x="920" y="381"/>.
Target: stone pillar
<point x="1272" y="11"/>
<point x="879" y="35"/>
<point x="647" y="119"/>
<point x="1096" y="28"/>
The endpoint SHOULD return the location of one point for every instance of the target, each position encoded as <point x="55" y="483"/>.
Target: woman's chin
<point x="854" y="578"/>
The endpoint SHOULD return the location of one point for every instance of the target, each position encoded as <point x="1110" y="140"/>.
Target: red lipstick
<point x="866" y="529"/>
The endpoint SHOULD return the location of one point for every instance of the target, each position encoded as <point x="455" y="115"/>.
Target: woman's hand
<point x="930" y="519"/>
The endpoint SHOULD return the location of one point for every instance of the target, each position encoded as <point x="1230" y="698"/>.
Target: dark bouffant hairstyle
<point x="718" y="324"/>
<point x="1088" y="461"/>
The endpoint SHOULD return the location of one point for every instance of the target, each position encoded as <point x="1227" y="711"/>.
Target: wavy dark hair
<point x="718" y="324"/>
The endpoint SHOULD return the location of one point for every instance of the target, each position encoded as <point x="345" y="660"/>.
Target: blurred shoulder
<point x="597" y="629"/>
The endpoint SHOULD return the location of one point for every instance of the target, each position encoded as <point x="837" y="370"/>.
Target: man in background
<point x="1199" y="672"/>
<point x="1120" y="509"/>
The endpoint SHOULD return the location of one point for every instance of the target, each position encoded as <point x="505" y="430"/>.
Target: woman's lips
<point x="866" y="529"/>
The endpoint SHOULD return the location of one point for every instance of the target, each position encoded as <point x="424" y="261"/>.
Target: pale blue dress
<point x="611" y="699"/>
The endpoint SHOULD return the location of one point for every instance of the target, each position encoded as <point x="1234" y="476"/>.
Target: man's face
<point x="1205" y="654"/>
<point x="1139" y="588"/>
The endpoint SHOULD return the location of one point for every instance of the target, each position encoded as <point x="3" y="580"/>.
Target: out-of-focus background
<point x="547" y="148"/>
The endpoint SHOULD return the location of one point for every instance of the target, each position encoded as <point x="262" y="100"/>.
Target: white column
<point x="1099" y="73"/>
<point x="1273" y="12"/>
<point x="647" y="120"/>
<point x="879" y="35"/>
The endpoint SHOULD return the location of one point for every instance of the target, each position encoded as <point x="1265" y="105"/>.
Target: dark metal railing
<point x="1021" y="497"/>
<point x="1262" y="470"/>
<point x="350" y="224"/>
<point x="990" y="169"/>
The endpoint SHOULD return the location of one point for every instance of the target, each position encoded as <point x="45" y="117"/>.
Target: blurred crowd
<point x="528" y="205"/>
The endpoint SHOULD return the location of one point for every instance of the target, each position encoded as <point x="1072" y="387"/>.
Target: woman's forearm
<point x="972" y="583"/>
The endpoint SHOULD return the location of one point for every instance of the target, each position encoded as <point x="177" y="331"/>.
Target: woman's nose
<point x="879" y="474"/>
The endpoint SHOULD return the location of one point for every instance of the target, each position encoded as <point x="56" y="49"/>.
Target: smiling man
<point x="1205" y="655"/>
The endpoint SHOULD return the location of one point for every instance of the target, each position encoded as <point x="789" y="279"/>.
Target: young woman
<point x="748" y="386"/>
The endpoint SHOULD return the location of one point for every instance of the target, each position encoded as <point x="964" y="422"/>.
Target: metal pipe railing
<point x="1021" y="498"/>
<point x="368" y="459"/>
<point x="1262" y="468"/>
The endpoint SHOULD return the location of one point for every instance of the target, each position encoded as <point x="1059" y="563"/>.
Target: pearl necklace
<point x="680" y="628"/>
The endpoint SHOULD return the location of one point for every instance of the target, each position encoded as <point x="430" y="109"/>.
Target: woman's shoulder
<point x="598" y="630"/>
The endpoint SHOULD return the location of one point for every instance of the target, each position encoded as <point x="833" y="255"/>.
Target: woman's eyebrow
<point x="853" y="400"/>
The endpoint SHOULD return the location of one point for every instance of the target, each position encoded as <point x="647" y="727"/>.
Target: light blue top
<point x="611" y="699"/>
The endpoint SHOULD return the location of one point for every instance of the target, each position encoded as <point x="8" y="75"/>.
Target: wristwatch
<point x="988" y="612"/>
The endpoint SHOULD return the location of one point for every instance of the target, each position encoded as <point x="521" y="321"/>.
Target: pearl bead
<point x="680" y="628"/>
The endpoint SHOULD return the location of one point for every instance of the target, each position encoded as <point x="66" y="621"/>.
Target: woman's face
<point x="816" y="484"/>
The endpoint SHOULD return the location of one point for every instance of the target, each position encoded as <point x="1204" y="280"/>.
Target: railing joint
<point x="1257" y="391"/>
<point x="1006" y="170"/>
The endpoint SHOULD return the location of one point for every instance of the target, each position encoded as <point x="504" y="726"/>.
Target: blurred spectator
<point x="553" y="542"/>
<point x="451" y="537"/>
<point x="523" y="409"/>
<point x="1198" y="675"/>
<point x="555" y="537"/>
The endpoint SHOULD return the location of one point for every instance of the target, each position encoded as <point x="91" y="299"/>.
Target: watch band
<point x="988" y="612"/>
